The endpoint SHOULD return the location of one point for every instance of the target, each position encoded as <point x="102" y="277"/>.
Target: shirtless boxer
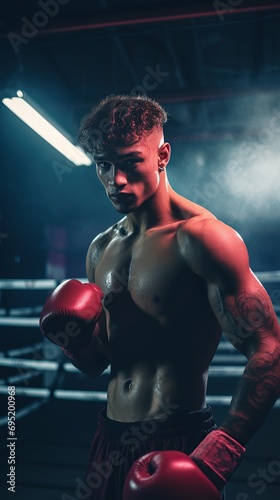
<point x="164" y="282"/>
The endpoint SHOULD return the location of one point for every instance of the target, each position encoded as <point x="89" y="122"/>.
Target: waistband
<point x="178" y="420"/>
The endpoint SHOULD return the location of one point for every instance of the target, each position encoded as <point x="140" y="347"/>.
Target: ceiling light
<point x="27" y="113"/>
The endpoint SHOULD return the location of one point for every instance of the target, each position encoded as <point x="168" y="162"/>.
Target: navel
<point x="155" y="298"/>
<point x="127" y="385"/>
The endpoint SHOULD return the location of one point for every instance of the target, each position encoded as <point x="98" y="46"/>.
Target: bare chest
<point x="148" y="272"/>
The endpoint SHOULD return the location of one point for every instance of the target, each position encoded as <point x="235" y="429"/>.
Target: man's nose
<point x="117" y="177"/>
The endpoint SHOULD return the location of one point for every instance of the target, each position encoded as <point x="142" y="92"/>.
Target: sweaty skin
<point x="156" y="328"/>
<point x="173" y="278"/>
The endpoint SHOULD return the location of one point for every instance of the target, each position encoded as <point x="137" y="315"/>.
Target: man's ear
<point x="164" y="153"/>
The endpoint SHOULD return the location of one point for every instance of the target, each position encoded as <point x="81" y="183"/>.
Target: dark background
<point x="219" y="73"/>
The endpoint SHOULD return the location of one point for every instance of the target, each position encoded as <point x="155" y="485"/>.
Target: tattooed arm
<point x="245" y="312"/>
<point x="251" y="325"/>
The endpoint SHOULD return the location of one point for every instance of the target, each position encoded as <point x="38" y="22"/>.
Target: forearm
<point x="221" y="451"/>
<point x="255" y="395"/>
<point x="249" y="321"/>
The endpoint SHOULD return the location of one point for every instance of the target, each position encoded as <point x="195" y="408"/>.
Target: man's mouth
<point x="119" y="196"/>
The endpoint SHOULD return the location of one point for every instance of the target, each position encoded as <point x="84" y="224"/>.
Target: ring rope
<point x="14" y="379"/>
<point x="48" y="284"/>
<point x="40" y="392"/>
<point x="98" y="395"/>
<point x="20" y="284"/>
<point x="23" y="412"/>
<point x="214" y="371"/>
<point x="22" y="350"/>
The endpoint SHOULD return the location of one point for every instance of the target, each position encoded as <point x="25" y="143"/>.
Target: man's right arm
<point x="73" y="318"/>
<point x="94" y="254"/>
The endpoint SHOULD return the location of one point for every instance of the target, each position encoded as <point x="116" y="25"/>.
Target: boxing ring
<point x="22" y="366"/>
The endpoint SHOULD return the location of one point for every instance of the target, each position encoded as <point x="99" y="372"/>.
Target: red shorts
<point x="116" y="445"/>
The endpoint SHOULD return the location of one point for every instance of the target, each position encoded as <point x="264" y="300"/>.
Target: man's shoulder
<point x="98" y="246"/>
<point x="207" y="241"/>
<point x="102" y="239"/>
<point x="205" y="227"/>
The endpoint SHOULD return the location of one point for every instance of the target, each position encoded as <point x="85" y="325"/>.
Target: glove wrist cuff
<point x="219" y="453"/>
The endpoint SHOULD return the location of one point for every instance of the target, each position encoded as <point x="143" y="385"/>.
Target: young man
<point x="164" y="282"/>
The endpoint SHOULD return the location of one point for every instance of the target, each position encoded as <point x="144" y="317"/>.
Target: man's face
<point x="130" y="174"/>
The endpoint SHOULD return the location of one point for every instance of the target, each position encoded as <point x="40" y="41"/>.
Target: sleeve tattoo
<point x="250" y="323"/>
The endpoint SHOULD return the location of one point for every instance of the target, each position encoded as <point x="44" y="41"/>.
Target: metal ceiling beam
<point x="116" y="19"/>
<point x="186" y="96"/>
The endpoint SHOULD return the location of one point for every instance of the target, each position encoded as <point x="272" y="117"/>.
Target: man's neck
<point x="157" y="211"/>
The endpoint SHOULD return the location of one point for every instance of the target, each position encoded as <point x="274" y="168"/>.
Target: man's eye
<point x="104" y="165"/>
<point x="131" y="162"/>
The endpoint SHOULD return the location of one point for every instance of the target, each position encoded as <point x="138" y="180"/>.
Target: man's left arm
<point x="247" y="317"/>
<point x="249" y="322"/>
<point x="246" y="314"/>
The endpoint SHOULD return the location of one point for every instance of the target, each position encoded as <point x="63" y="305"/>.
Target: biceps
<point x="246" y="316"/>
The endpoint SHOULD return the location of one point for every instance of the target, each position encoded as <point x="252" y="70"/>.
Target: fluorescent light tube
<point x="20" y="107"/>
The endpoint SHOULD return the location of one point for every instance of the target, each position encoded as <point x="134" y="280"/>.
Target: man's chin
<point x="122" y="209"/>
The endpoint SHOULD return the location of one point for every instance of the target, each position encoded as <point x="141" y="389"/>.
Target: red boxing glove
<point x="168" y="475"/>
<point x="69" y="316"/>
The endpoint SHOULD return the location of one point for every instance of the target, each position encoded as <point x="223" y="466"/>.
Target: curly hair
<point x="119" y="120"/>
